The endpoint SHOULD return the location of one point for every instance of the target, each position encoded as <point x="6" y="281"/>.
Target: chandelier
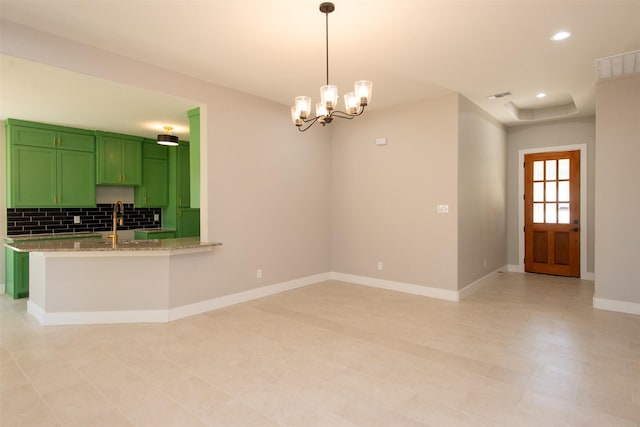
<point x="354" y="102"/>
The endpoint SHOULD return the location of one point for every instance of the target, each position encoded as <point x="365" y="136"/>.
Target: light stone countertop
<point x="51" y="236"/>
<point x="85" y="244"/>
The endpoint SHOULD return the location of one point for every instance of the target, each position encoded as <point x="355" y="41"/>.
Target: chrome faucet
<point x="117" y="206"/>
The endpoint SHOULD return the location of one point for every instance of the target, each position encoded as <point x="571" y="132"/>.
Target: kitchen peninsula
<point x="82" y="281"/>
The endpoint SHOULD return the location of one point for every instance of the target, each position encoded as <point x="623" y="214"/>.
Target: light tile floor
<point x="525" y="350"/>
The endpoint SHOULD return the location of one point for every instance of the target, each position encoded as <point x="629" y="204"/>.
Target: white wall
<point x="384" y="197"/>
<point x="618" y="194"/>
<point x="482" y="194"/>
<point x="549" y="134"/>
<point x="265" y="186"/>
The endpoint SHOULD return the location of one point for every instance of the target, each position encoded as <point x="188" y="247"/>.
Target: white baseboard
<point x="615" y="305"/>
<point x="408" y="288"/>
<point x="96" y="317"/>
<point x="588" y="276"/>
<point x="474" y="286"/>
<point x="156" y="316"/>
<point x="513" y="268"/>
<point x="227" y="300"/>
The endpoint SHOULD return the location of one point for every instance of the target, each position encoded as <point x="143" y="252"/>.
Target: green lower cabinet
<point x="152" y="235"/>
<point x="188" y="222"/>
<point x="16" y="275"/>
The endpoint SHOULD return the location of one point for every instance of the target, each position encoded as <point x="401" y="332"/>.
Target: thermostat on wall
<point x="381" y="141"/>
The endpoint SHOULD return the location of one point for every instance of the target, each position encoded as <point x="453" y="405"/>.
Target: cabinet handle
<point x="180" y="201"/>
<point x="53" y="141"/>
<point x="54" y="200"/>
<point x="58" y="141"/>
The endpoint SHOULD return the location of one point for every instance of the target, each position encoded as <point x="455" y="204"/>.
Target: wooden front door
<point x="552" y="213"/>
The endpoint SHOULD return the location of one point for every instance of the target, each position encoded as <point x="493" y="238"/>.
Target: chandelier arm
<point x="310" y="122"/>
<point x="342" y="115"/>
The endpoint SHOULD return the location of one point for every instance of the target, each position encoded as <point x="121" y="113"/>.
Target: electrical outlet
<point x="442" y="208"/>
<point x="259" y="273"/>
<point x="379" y="266"/>
<point x="156" y="217"/>
<point x="76" y="219"/>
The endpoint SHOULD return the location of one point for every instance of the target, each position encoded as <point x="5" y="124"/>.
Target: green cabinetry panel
<point x="33" y="181"/>
<point x="118" y="159"/>
<point x="151" y="235"/>
<point x="194" y="154"/>
<point x="184" y="188"/>
<point x="48" y="167"/>
<point x="49" y="136"/>
<point x="188" y="222"/>
<point x="154" y="191"/>
<point x="16" y="275"/>
<point x="178" y="214"/>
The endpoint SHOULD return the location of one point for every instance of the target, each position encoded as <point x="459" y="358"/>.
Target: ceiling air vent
<point x="618" y="65"/>
<point x="499" y="95"/>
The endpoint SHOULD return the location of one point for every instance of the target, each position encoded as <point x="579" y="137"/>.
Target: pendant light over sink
<point x="168" y="139"/>
<point x="354" y="102"/>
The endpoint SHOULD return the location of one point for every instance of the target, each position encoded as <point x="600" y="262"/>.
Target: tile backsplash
<point x="60" y="220"/>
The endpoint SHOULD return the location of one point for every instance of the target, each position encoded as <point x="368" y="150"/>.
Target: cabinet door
<point x="33" y="177"/>
<point x="76" y="141"/>
<point x="76" y="179"/>
<point x="109" y="160"/>
<point x="35" y="137"/>
<point x="131" y="162"/>
<point x="188" y="223"/>
<point x="16" y="273"/>
<point x="184" y="197"/>
<point x="154" y="191"/>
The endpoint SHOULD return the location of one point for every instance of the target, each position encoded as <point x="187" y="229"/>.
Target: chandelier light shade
<point x="354" y="102"/>
<point x="167" y="139"/>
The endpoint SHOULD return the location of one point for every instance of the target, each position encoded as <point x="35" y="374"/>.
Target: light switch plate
<point x="76" y="219"/>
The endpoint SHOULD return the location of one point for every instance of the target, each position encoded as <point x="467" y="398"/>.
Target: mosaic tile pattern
<point x="60" y="220"/>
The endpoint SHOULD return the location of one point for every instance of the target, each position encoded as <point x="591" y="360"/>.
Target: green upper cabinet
<point x="183" y="178"/>
<point x="49" y="136"/>
<point x="118" y="159"/>
<point x="49" y="166"/>
<point x="76" y="178"/>
<point x="154" y="191"/>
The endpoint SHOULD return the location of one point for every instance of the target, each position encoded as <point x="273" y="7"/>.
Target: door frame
<point x="584" y="220"/>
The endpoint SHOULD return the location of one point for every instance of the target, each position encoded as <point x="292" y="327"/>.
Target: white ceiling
<point x="411" y="50"/>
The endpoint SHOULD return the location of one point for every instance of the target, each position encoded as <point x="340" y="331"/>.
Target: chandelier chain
<point x="326" y="39"/>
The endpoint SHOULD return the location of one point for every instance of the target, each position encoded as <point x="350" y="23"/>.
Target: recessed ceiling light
<point x="561" y="35"/>
<point x="541" y="95"/>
